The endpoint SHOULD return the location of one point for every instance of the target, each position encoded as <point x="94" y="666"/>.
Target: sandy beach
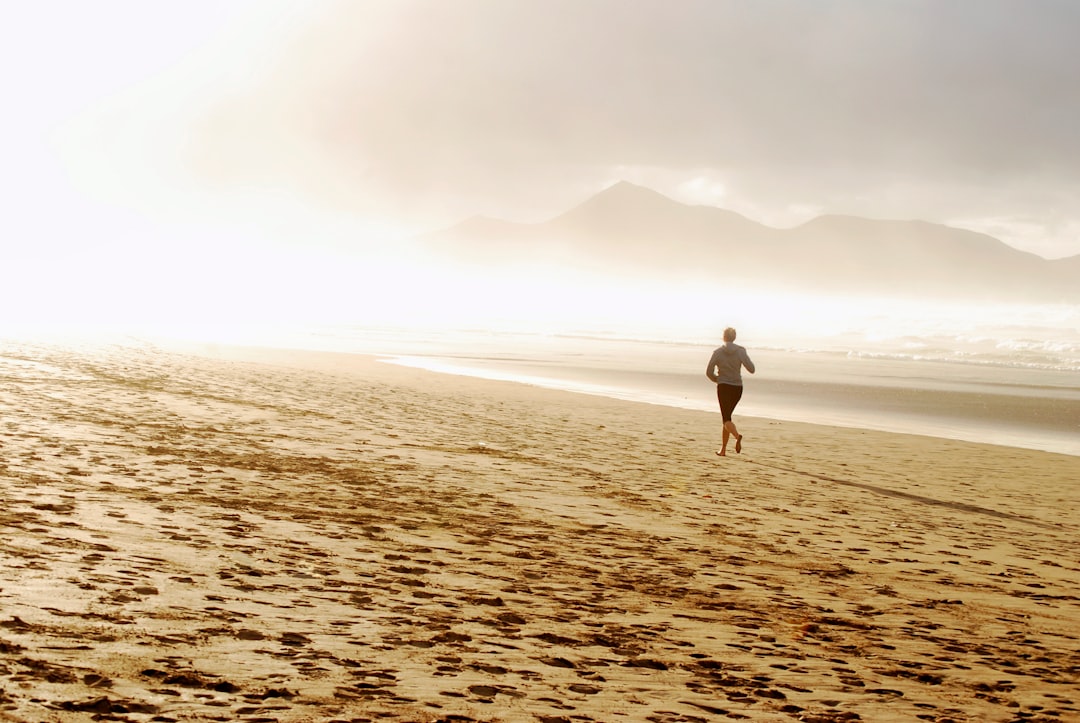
<point x="252" y="535"/>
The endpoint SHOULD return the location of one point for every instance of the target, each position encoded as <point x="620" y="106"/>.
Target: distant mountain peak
<point x="626" y="187"/>
<point x="626" y="192"/>
<point x="623" y="198"/>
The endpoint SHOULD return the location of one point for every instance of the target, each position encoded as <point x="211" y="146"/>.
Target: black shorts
<point x="728" y="395"/>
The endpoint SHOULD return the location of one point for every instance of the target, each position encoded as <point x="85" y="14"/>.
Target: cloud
<point x="429" y="111"/>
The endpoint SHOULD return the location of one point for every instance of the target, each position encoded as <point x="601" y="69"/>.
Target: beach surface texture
<point x="241" y="535"/>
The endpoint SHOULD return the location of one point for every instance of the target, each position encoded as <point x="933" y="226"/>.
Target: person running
<point x="725" y="370"/>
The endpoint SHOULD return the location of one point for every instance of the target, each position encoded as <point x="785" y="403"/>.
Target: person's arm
<point x="710" y="371"/>
<point x="746" y="362"/>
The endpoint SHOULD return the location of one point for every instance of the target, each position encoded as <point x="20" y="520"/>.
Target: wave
<point x="1017" y="337"/>
<point x="1016" y="353"/>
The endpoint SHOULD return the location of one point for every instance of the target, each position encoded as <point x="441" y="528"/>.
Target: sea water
<point x="1011" y="380"/>
<point x="1002" y="374"/>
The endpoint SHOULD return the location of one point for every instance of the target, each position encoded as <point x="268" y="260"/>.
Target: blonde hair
<point x="729" y="334"/>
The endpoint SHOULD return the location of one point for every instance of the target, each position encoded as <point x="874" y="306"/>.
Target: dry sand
<point x="321" y="537"/>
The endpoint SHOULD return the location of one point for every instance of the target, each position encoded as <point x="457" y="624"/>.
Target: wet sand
<point x="1042" y="413"/>
<point x="243" y="535"/>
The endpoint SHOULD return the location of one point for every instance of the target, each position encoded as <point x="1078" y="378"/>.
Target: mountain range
<point x="628" y="230"/>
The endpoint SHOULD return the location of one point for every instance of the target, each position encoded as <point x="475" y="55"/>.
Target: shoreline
<point x="1022" y="408"/>
<point x="1009" y="420"/>
<point x="250" y="534"/>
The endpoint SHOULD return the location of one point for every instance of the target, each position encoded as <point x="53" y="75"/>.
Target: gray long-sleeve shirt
<point x="726" y="364"/>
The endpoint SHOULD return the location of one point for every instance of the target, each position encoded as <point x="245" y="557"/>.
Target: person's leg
<point x="732" y="395"/>
<point x="730" y="428"/>
<point x="728" y="396"/>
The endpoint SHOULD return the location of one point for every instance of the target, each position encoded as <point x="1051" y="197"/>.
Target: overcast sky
<point x="415" y="114"/>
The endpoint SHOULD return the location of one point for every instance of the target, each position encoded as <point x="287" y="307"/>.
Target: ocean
<point x="1001" y="374"/>
<point x="1012" y="381"/>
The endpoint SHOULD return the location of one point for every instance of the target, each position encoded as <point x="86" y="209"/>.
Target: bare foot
<point x="738" y="444"/>
<point x="721" y="453"/>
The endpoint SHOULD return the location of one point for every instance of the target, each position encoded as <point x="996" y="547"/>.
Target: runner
<point x="725" y="370"/>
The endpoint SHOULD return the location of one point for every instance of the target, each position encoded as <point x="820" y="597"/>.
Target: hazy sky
<point x="426" y="112"/>
<point x="232" y="122"/>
